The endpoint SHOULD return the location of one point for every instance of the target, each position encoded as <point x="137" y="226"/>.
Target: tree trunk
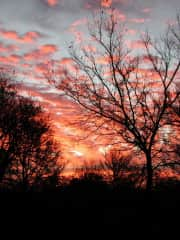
<point x="149" y="180"/>
<point x="4" y="162"/>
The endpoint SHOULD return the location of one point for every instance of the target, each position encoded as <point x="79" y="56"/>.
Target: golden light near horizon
<point x="77" y="153"/>
<point x="104" y="149"/>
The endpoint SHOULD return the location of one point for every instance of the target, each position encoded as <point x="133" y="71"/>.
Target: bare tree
<point x="122" y="170"/>
<point x="88" y="168"/>
<point x="129" y="94"/>
<point x="117" y="163"/>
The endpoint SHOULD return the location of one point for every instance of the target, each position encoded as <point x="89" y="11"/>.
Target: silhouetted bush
<point x="89" y="185"/>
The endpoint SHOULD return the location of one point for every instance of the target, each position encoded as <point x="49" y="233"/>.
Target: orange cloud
<point x="10" y="60"/>
<point x="52" y="3"/>
<point x="8" y="48"/>
<point x="28" y="37"/>
<point x="66" y="61"/>
<point x="68" y="64"/>
<point x="106" y="59"/>
<point x="138" y="20"/>
<point x="136" y="44"/>
<point x="47" y="49"/>
<point x="106" y="3"/>
<point x="40" y="68"/>
<point x="30" y="56"/>
<point x="62" y="111"/>
<point x="14" y="58"/>
<point x="10" y="34"/>
<point x="43" y="51"/>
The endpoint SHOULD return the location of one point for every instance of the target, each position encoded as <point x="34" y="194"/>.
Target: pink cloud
<point x="14" y="58"/>
<point x="106" y="3"/>
<point x="79" y="36"/>
<point x="138" y="20"/>
<point x="119" y="15"/>
<point x="78" y="22"/>
<point x="28" y="37"/>
<point x="66" y="61"/>
<point x="10" y="35"/>
<point x="47" y="49"/>
<point x="52" y="3"/>
<point x="136" y="44"/>
<point x="146" y="10"/>
<point x="31" y="56"/>
<point x="42" y="52"/>
<point x="89" y="48"/>
<point x="8" y="48"/>
<point x="88" y="6"/>
<point x="131" y="32"/>
<point x="10" y="60"/>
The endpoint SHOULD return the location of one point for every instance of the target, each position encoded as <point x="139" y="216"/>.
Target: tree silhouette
<point x="28" y="153"/>
<point x="121" y="91"/>
<point x="118" y="165"/>
<point x="8" y="111"/>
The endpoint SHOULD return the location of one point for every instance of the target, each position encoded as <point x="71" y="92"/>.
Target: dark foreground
<point x="127" y="212"/>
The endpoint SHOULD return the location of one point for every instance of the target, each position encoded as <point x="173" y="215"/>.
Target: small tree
<point x="117" y="163"/>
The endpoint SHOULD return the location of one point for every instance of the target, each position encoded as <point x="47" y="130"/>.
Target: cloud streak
<point x="28" y="37"/>
<point x="43" y="52"/>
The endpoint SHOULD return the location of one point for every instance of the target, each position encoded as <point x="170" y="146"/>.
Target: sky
<point x="34" y="33"/>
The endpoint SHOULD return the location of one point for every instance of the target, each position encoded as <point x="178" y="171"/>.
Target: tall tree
<point x="127" y="92"/>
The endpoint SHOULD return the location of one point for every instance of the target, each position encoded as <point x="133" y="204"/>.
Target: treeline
<point x="30" y="159"/>
<point x="111" y="192"/>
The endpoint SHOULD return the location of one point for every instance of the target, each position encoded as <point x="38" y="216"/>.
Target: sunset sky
<point x="34" y="33"/>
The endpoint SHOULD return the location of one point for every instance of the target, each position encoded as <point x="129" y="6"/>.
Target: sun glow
<point x="77" y="153"/>
<point x="104" y="149"/>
